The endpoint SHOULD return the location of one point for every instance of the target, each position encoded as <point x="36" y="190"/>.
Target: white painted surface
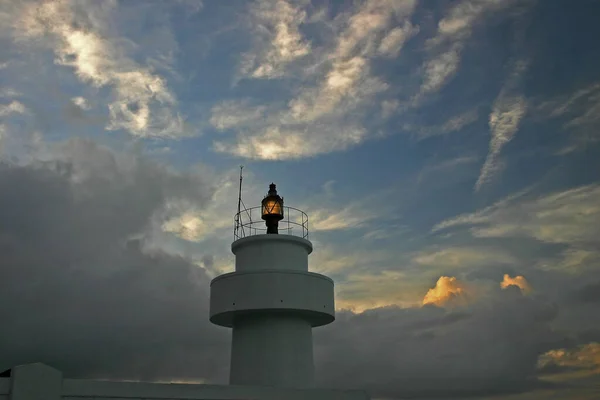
<point x="272" y="350"/>
<point x="282" y="252"/>
<point x="298" y="293"/>
<point x="35" y="382"/>
<point x="4" y="386"/>
<point x="272" y="302"/>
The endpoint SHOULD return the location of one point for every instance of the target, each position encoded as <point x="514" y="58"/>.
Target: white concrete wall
<point x="272" y="350"/>
<point x="40" y="382"/>
<point x="35" y="382"/>
<point x="283" y="252"/>
<point x="4" y="388"/>
<point x="297" y="292"/>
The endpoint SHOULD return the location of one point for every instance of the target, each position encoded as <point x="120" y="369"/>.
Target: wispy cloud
<point x="507" y="111"/>
<point x="445" y="167"/>
<point x="324" y="115"/>
<point x="451" y="258"/>
<point x="328" y="220"/>
<point x="328" y="214"/>
<point x="453" y="124"/>
<point x="563" y="217"/>
<point x="570" y="218"/>
<point x="83" y="39"/>
<point x="584" y="103"/>
<point x="447" y="45"/>
<point x="579" y="112"/>
<point x="394" y="40"/>
<point x="278" y="39"/>
<point x="231" y="114"/>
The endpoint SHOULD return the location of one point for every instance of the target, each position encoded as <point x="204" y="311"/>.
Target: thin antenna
<point x="240" y="194"/>
<point x="239" y="207"/>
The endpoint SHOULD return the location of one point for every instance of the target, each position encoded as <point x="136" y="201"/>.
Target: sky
<point x="446" y="153"/>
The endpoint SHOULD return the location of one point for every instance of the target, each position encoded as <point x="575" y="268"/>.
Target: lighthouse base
<point x="272" y="350"/>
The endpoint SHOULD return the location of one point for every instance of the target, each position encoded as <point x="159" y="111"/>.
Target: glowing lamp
<point x="272" y="209"/>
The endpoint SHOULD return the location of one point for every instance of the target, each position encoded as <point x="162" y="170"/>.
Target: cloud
<point x="579" y="113"/>
<point x="568" y="364"/>
<point x="72" y="228"/>
<point x="389" y="107"/>
<point x="191" y="6"/>
<point x="230" y="114"/>
<point x="81" y="102"/>
<point x="453" y="31"/>
<point x="440" y="69"/>
<point x="324" y="113"/>
<point x="434" y="170"/>
<point x="518" y="281"/>
<point x="589" y="293"/>
<point x="278" y="39"/>
<point x="453" y="124"/>
<point x="504" y="122"/>
<point x="507" y="112"/>
<point x="195" y="224"/>
<point x="363" y="291"/>
<point x="329" y="213"/>
<point x="80" y="211"/>
<point x="14" y="107"/>
<point x="458" y="257"/>
<point x="352" y="216"/>
<point x="393" y="42"/>
<point x="446" y="290"/>
<point x="569" y="218"/>
<point x="449" y="291"/>
<point x="348" y="72"/>
<point x="83" y="39"/>
<point x="583" y="106"/>
<point x="285" y="144"/>
<point x="188" y="226"/>
<point x="430" y="352"/>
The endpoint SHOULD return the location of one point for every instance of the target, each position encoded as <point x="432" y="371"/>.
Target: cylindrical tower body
<point x="272" y="303"/>
<point x="272" y="350"/>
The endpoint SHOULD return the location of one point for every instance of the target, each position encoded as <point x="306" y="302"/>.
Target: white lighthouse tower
<point x="272" y="301"/>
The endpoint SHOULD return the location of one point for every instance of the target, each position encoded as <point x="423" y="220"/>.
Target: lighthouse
<point x="272" y="302"/>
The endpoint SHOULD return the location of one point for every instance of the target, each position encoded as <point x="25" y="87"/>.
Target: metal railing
<point x="248" y="222"/>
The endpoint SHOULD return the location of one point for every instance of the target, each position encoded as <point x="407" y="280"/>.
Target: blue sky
<point x="446" y="153"/>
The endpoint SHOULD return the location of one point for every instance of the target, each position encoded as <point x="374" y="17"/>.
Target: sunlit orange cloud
<point x="359" y="307"/>
<point x="584" y="361"/>
<point x="518" y="281"/>
<point x="446" y="289"/>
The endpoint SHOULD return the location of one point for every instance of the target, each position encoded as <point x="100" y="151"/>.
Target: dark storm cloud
<point x="81" y="292"/>
<point x="77" y="289"/>
<point x="589" y="293"/>
<point x="428" y="352"/>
